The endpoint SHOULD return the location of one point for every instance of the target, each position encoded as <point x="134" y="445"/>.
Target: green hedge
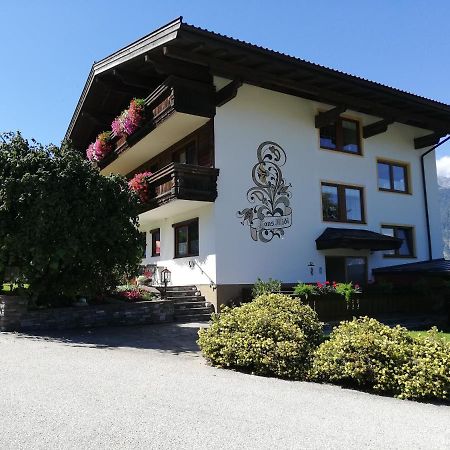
<point x="273" y="335"/>
<point x="373" y="356"/>
<point x="276" y="335"/>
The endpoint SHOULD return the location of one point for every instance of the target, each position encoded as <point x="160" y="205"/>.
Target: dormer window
<point x="342" y="136"/>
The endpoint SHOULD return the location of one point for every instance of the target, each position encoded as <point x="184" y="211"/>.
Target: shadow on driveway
<point x="176" y="338"/>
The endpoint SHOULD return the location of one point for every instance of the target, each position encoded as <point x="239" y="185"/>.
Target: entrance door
<point x="344" y="269"/>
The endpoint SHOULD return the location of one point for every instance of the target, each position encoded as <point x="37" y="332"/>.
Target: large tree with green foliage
<point x="65" y="230"/>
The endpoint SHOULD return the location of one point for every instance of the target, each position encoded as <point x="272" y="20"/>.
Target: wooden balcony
<point x="173" y="110"/>
<point x="181" y="182"/>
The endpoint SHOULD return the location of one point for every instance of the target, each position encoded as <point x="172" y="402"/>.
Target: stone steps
<point x="193" y="318"/>
<point x="189" y="304"/>
<point x="179" y="289"/>
<point x="184" y="298"/>
<point x="194" y="311"/>
<point x="187" y="299"/>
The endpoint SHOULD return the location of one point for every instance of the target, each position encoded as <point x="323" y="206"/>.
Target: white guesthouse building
<point x="265" y="165"/>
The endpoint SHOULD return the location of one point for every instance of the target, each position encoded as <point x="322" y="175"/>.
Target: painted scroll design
<point x="271" y="213"/>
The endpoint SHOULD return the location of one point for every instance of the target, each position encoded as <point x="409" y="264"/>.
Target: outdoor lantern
<point x="166" y="276"/>
<point x="311" y="266"/>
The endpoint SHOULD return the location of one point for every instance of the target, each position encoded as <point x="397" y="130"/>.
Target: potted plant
<point x="350" y="293"/>
<point x="101" y="147"/>
<point x="129" y="120"/>
<point x="139" y="184"/>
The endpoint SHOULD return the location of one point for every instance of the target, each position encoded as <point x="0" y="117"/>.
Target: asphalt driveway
<point x="148" y="387"/>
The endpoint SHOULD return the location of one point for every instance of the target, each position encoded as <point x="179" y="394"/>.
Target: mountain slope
<point x="444" y="198"/>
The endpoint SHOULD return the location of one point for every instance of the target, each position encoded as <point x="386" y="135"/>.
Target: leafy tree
<point x="65" y="230"/>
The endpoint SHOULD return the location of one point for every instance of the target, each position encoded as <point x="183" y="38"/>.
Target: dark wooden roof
<point x="433" y="266"/>
<point x="356" y="239"/>
<point x="195" y="53"/>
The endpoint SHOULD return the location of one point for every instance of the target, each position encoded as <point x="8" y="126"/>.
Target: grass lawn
<point x="445" y="335"/>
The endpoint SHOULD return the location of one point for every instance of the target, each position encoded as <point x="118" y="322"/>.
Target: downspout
<point x="424" y="184"/>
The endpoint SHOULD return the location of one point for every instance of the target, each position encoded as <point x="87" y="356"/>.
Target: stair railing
<point x="193" y="263"/>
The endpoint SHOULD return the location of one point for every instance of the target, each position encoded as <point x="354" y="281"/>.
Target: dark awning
<point x="439" y="266"/>
<point x="356" y="239"/>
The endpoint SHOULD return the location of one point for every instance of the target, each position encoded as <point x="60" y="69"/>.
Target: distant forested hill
<point x="444" y="197"/>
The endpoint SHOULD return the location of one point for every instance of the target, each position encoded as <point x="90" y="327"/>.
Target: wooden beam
<point x="328" y="117"/>
<point x="97" y="120"/>
<point x="228" y="92"/>
<point x="131" y="79"/>
<point x="99" y="116"/>
<point x="196" y="46"/>
<point x="117" y="87"/>
<point x="306" y="90"/>
<point x="189" y="70"/>
<point x="427" y="140"/>
<point x="376" y="128"/>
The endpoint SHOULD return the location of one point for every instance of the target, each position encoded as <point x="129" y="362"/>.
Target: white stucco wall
<point x="182" y="274"/>
<point x="258" y="115"/>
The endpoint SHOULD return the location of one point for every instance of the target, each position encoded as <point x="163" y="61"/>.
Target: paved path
<point x="147" y="387"/>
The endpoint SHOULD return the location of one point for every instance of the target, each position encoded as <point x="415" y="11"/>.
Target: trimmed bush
<point x="369" y="355"/>
<point x="363" y="353"/>
<point x="426" y="374"/>
<point x="262" y="287"/>
<point x="273" y="335"/>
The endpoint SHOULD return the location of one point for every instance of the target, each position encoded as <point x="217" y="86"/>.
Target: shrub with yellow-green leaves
<point x="426" y="374"/>
<point x="273" y="335"/>
<point x="369" y="355"/>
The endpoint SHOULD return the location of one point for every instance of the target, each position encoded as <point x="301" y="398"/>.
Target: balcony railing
<point x="181" y="182"/>
<point x="174" y="95"/>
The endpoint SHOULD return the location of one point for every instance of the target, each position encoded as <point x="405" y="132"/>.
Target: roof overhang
<point x="178" y="48"/>
<point x="356" y="239"/>
<point x="435" y="266"/>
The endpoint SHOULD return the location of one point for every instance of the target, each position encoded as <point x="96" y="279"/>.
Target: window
<point x="404" y="233"/>
<point x="186" y="238"/>
<point x="187" y="154"/>
<point x="156" y="242"/>
<point x="342" y="136"/>
<point x="392" y="177"/>
<point x="344" y="269"/>
<point x="342" y="203"/>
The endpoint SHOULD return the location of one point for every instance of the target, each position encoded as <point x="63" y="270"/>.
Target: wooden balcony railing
<point x="174" y="95"/>
<point x="184" y="182"/>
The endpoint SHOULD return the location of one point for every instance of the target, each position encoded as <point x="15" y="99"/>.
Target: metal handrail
<point x="212" y="284"/>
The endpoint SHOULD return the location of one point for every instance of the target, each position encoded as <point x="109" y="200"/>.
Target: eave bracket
<point x="376" y="128"/>
<point x="227" y="93"/>
<point x="427" y="140"/>
<point x="329" y="117"/>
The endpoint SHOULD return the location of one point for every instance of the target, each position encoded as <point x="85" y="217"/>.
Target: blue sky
<point x="48" y="46"/>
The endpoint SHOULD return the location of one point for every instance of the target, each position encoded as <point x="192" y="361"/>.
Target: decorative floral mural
<point x="271" y="213"/>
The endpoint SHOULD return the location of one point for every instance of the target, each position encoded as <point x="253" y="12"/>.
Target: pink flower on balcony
<point x="100" y="148"/>
<point x="139" y="184"/>
<point x="130" y="119"/>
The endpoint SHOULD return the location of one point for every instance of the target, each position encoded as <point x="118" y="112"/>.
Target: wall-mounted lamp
<point x="191" y="263"/>
<point x="311" y="266"/>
